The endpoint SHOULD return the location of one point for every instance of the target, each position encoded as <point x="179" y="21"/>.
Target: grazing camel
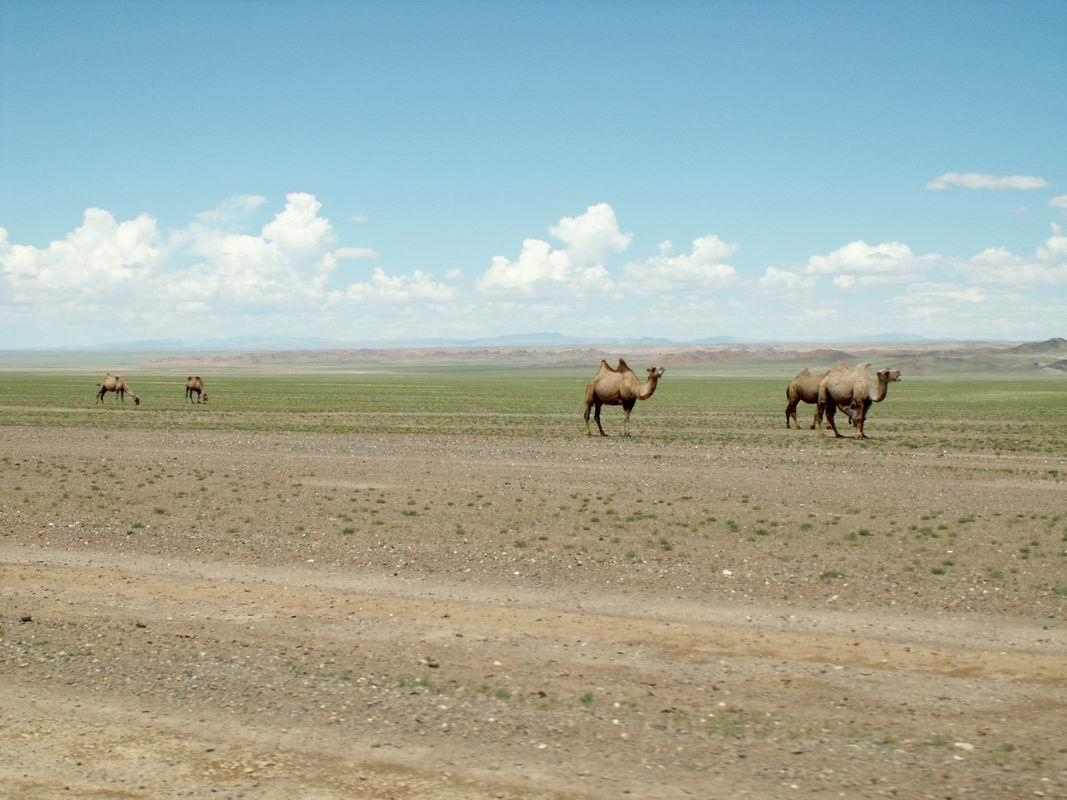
<point x="113" y="383"/>
<point x="615" y="386"/>
<point x="195" y="384"/>
<point x="853" y="390"/>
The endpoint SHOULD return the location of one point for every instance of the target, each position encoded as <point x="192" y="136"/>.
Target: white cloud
<point x="578" y="267"/>
<point x="1055" y="248"/>
<point x="979" y="180"/>
<point x="202" y="268"/>
<point x="399" y="288"/>
<point x="700" y="269"/>
<point x="775" y="279"/>
<point x="99" y="261"/>
<point x="890" y="262"/>
<point x="846" y="282"/>
<point x="355" y="252"/>
<point x="591" y="237"/>
<point x="998" y="265"/>
<point x="232" y="210"/>
<point x="937" y="292"/>
<point x="1059" y="201"/>
<point x="359" y="218"/>
<point x="299" y="228"/>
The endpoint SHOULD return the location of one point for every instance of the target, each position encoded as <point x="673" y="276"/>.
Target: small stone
<point x="26" y="618"/>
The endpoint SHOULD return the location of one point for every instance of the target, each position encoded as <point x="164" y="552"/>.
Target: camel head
<point x="137" y="401"/>
<point x="203" y="396"/>
<point x="889" y="374"/>
<point x="655" y="372"/>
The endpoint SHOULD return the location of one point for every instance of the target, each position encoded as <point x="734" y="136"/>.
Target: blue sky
<point x="378" y="170"/>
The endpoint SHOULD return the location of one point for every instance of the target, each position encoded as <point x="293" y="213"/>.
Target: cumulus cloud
<point x="205" y="266"/>
<point x="101" y="260"/>
<point x="979" y="180"/>
<point x="588" y="239"/>
<point x="998" y="265"/>
<point x="784" y="280"/>
<point x="890" y="262"/>
<point x="1059" y="201"/>
<point x="702" y="268"/>
<point x="399" y="288"/>
<point x="299" y="228"/>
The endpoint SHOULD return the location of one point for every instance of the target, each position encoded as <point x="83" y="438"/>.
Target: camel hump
<point x="189" y="378"/>
<point x="623" y="366"/>
<point x="197" y="378"/>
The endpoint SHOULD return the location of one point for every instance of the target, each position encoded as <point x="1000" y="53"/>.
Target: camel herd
<point x="194" y="384"/>
<point x="848" y="389"/>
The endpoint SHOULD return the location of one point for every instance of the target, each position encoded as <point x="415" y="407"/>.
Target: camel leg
<point x="596" y="416"/>
<point x="791" y="411"/>
<point x="588" y="408"/>
<point x="857" y="420"/>
<point x="626" y="420"/>
<point x="830" y="409"/>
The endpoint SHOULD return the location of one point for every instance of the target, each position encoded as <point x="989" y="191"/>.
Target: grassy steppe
<point x="1001" y="416"/>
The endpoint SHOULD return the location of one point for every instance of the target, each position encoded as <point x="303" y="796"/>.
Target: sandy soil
<point x="392" y="616"/>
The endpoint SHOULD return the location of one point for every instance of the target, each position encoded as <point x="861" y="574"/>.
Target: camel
<point x="805" y="387"/>
<point x="614" y="386"/>
<point x="113" y="383"/>
<point x="854" y="390"/>
<point x="195" y="384"/>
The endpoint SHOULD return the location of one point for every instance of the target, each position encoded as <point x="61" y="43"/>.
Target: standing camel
<point x="195" y="384"/>
<point x="618" y="386"/>
<point x="805" y="388"/>
<point x="113" y="383"/>
<point x="853" y="390"/>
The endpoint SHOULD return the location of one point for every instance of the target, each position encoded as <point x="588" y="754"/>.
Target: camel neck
<point x="646" y="389"/>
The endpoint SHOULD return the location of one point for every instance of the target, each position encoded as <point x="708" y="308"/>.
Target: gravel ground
<point x="270" y="615"/>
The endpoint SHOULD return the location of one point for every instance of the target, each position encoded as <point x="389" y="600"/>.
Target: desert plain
<point x="374" y="575"/>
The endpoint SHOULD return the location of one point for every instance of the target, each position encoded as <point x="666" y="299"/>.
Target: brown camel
<point x="853" y="390"/>
<point x="615" y="386"/>
<point x="805" y="388"/>
<point x="195" y="384"/>
<point x="113" y="383"/>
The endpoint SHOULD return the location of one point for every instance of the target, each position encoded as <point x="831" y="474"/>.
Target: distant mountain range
<point x="540" y="339"/>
